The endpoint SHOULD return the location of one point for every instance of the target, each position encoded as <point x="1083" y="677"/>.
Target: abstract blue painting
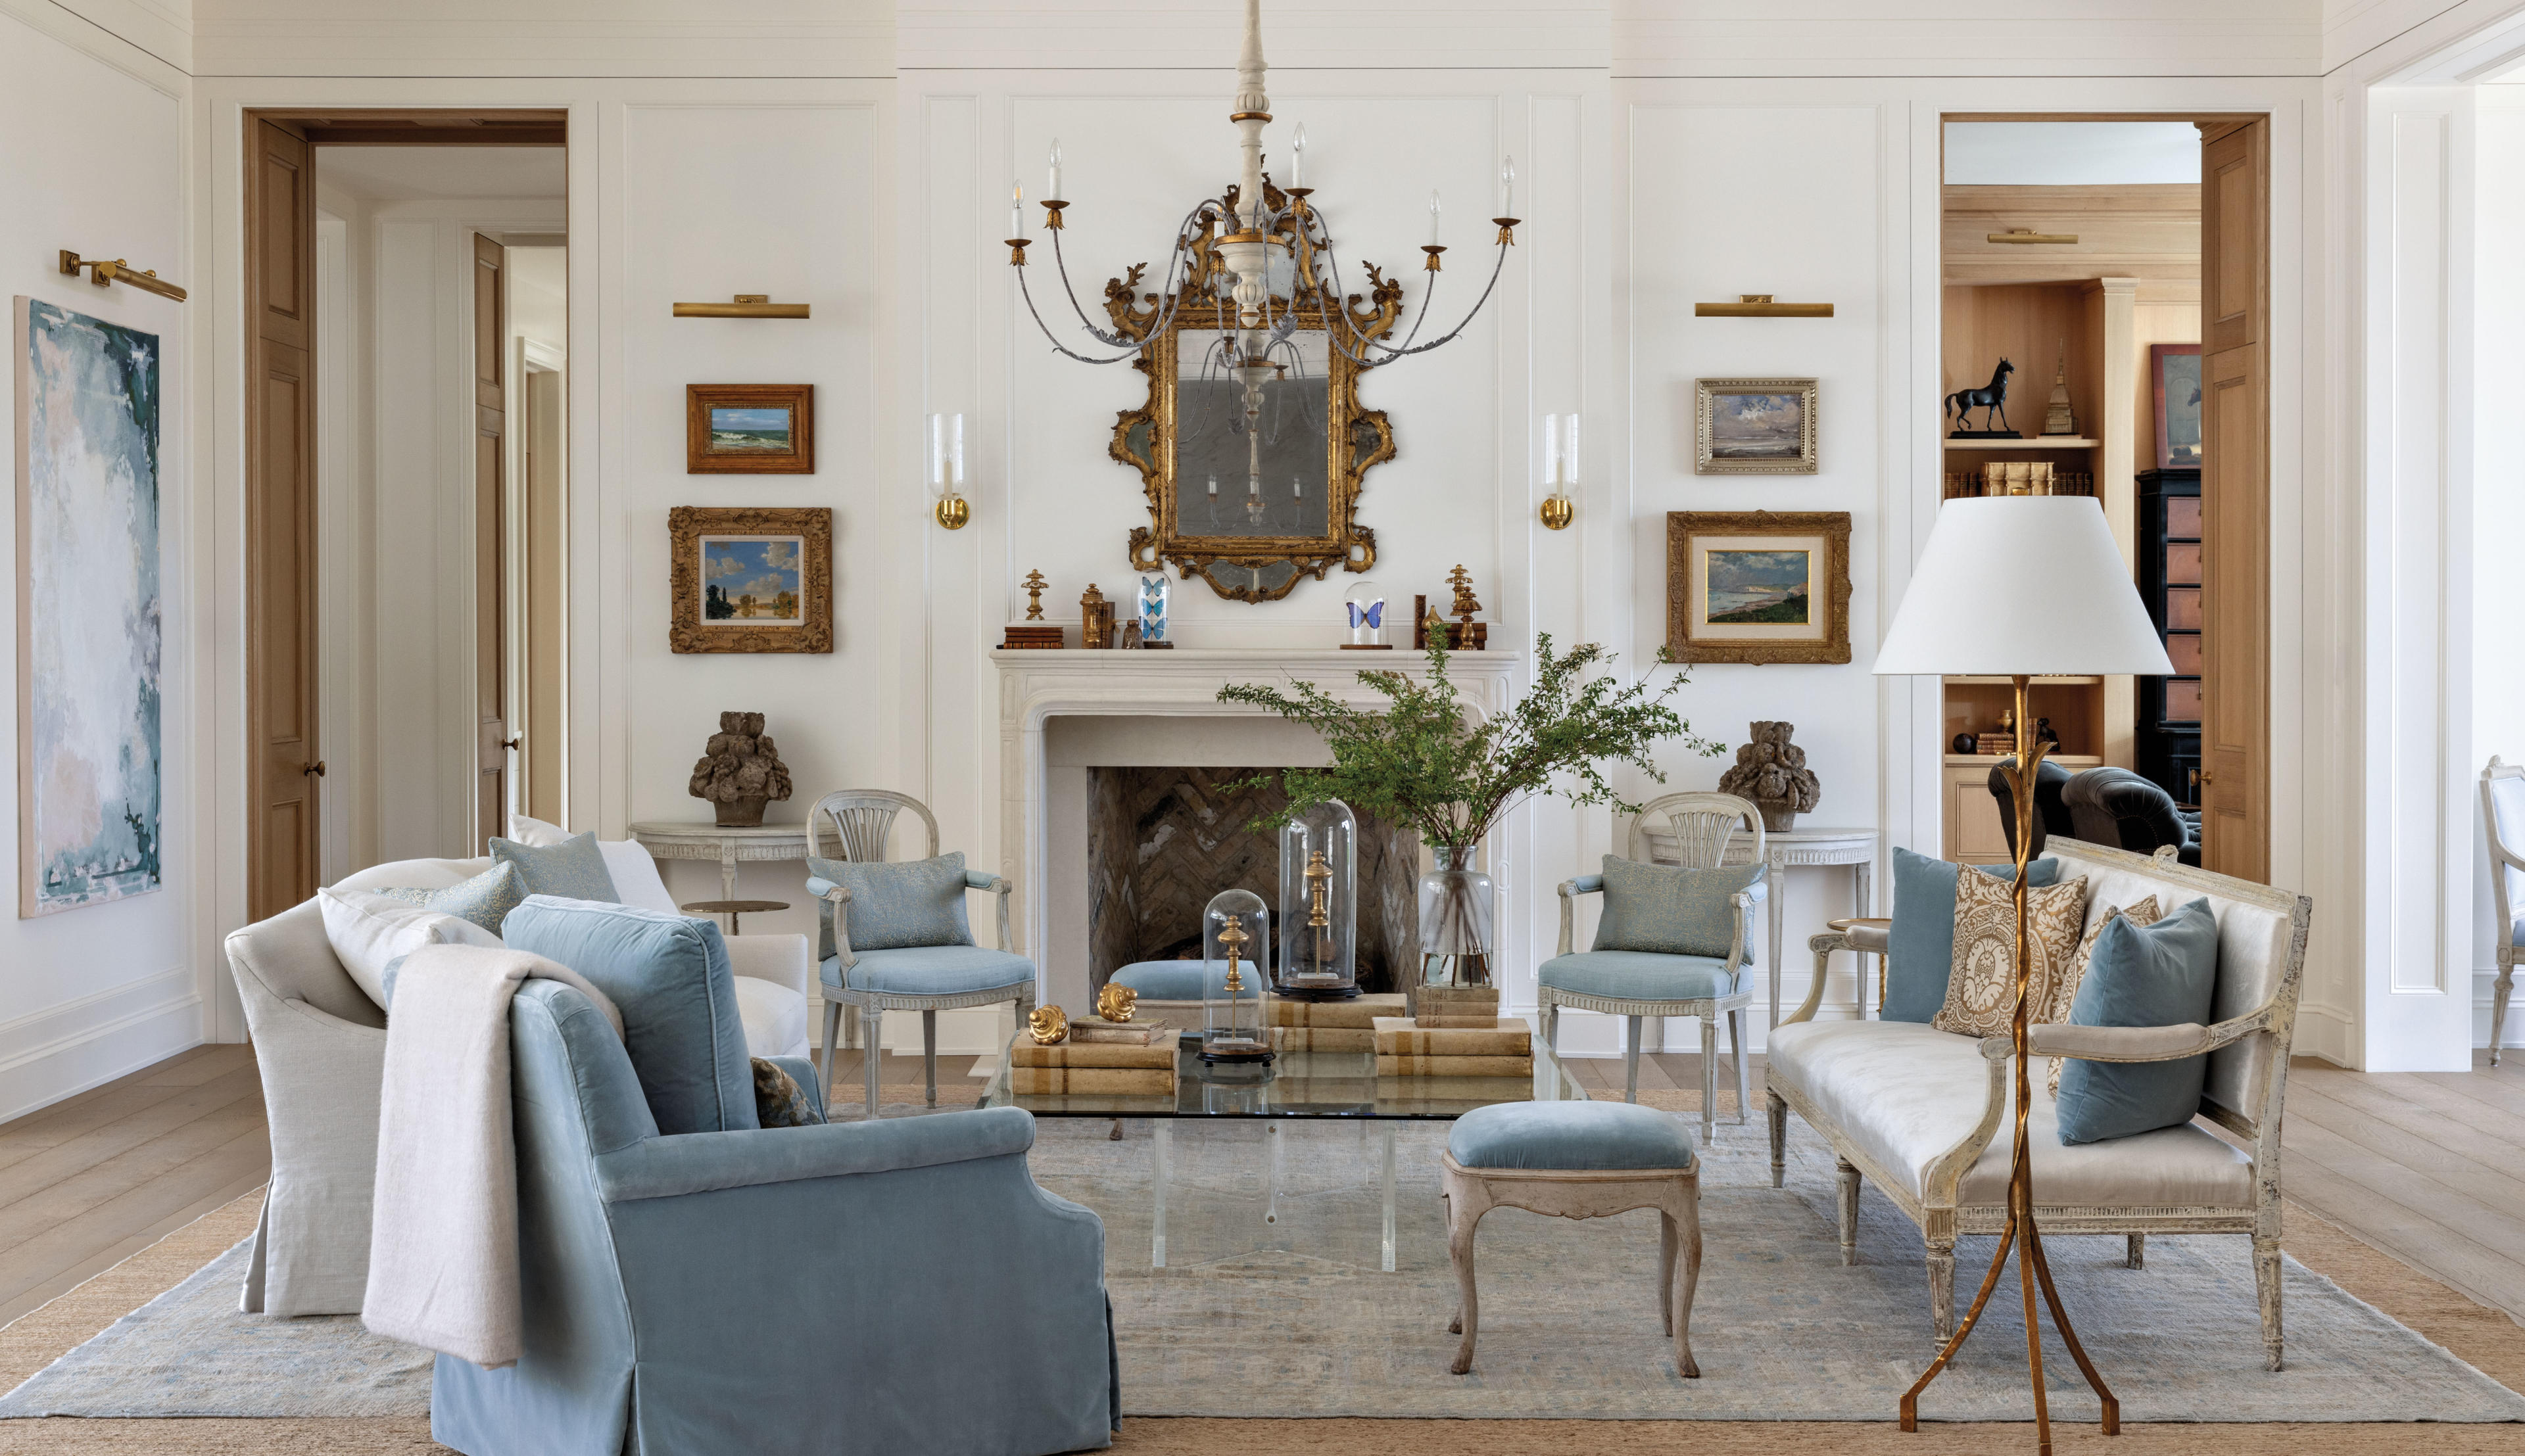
<point x="89" y="612"/>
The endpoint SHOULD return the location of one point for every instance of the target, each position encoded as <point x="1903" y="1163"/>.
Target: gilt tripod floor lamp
<point x="2021" y="586"/>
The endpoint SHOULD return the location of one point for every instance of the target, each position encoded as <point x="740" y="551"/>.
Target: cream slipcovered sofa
<point x="1916" y="1112"/>
<point x="320" y="1045"/>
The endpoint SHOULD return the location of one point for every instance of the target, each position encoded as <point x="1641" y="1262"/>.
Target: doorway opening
<point x="406" y="486"/>
<point x="2104" y="333"/>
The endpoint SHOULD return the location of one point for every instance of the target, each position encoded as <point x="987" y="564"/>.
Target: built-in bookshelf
<point x="2168" y="729"/>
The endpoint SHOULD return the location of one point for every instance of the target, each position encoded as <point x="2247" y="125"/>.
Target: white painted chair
<point x="1697" y="829"/>
<point x="927" y="979"/>
<point x="2502" y="818"/>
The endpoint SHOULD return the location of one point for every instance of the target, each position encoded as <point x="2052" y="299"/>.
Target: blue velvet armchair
<point x="893" y="1287"/>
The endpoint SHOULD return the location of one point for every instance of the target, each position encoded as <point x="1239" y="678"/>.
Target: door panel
<point x="490" y="543"/>
<point x="283" y="767"/>
<point x="2235" y="503"/>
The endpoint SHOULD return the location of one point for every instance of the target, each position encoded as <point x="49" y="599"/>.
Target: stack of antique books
<point x="1330" y="1025"/>
<point x="1502" y="1047"/>
<point x="1105" y="1058"/>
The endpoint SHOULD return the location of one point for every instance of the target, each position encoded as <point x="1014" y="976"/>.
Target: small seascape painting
<point x="89" y="610"/>
<point x="1755" y="427"/>
<point x="749" y="429"/>
<point x="752" y="579"/>
<point x="2175" y="372"/>
<point x="1759" y="586"/>
<point x="734" y="430"/>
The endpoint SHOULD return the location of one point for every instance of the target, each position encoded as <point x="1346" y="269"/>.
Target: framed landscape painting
<point x="1753" y="428"/>
<point x="749" y="580"/>
<point x="89" y="612"/>
<point x="1758" y="586"/>
<point x="749" y="429"/>
<point x="2174" y="379"/>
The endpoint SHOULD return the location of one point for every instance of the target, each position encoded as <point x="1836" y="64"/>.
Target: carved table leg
<point x="2138" y="1257"/>
<point x="1779" y="1110"/>
<point x="1849" y="1178"/>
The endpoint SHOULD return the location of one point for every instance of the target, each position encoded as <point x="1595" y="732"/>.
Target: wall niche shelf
<point x="2039" y="442"/>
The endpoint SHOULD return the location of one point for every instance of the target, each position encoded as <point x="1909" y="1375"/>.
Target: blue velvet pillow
<point x="2165" y="974"/>
<point x="1670" y="910"/>
<point x="1921" y="950"/>
<point x="898" y="903"/>
<point x="574" y="869"/>
<point x="668" y="976"/>
<point x="485" y="900"/>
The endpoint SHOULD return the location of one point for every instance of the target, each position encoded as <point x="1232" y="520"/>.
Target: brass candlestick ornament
<point x="1117" y="1002"/>
<point x="2031" y="1268"/>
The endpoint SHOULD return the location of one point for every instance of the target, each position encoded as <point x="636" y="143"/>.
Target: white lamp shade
<point x="2021" y="584"/>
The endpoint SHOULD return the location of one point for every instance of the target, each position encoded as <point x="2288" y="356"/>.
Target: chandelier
<point x="1263" y="253"/>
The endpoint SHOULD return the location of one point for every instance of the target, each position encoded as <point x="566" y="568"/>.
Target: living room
<point x="766" y="320"/>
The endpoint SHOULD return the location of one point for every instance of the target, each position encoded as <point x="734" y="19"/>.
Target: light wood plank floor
<point x="2430" y="1168"/>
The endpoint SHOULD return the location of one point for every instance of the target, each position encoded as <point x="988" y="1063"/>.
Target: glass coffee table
<point x="1315" y="1085"/>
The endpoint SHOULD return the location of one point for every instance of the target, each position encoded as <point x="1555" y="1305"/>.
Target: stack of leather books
<point x="1101" y="1067"/>
<point x="1330" y="1025"/>
<point x="1502" y="1048"/>
<point x="1457" y="1005"/>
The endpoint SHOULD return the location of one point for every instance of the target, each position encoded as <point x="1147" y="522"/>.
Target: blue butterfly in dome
<point x="1370" y="615"/>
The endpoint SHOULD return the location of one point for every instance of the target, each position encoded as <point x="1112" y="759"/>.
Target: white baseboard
<point x="62" y="1050"/>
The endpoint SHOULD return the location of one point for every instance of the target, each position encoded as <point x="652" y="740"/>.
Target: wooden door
<point x="2235" y="499"/>
<point x="543" y="566"/>
<point x="283" y="767"/>
<point x="490" y="544"/>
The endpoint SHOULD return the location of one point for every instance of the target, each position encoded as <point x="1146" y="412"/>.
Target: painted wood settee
<point x="1915" y="1111"/>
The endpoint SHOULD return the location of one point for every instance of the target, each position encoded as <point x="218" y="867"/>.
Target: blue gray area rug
<point x="1294" y="1318"/>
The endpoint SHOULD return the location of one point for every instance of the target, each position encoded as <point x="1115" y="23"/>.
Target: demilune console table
<point x="1784" y="848"/>
<point x="726" y="845"/>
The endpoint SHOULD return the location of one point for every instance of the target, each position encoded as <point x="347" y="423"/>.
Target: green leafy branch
<point x="1418" y="762"/>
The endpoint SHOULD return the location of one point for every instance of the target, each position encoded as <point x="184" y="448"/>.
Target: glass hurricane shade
<point x="1319" y="903"/>
<point x="1236" y="943"/>
<point x="1155" y="592"/>
<point x="2029" y="585"/>
<point x="1363" y="608"/>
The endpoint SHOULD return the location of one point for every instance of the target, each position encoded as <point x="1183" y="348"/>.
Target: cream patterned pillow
<point x="1981" y="989"/>
<point x="2064" y="991"/>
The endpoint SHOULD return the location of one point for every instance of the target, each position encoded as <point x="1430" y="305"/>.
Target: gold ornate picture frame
<point x="749" y="429"/>
<point x="1257" y="566"/>
<point x="1758" y="586"/>
<point x="748" y="579"/>
<point x="1753" y="426"/>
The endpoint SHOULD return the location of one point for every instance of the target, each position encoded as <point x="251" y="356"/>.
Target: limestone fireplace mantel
<point x="1038" y="686"/>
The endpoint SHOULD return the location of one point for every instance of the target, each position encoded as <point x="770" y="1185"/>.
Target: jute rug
<point x="2485" y="1337"/>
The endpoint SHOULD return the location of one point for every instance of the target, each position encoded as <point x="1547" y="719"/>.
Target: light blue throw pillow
<point x="2165" y="974"/>
<point x="485" y="900"/>
<point x="1670" y="910"/>
<point x="1921" y="948"/>
<point x="574" y="869"/>
<point x="899" y="904"/>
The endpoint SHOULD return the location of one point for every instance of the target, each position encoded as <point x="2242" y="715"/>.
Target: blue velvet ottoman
<point x="1575" y="1160"/>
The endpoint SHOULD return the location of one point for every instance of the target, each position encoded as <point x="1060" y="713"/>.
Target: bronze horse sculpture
<point x="1989" y="397"/>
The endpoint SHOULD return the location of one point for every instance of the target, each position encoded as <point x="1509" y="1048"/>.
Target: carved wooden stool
<point x="1575" y="1160"/>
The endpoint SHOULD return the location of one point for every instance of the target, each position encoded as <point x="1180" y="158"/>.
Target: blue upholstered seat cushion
<point x="1569" y="1136"/>
<point x="1921" y="945"/>
<point x="1639" y="976"/>
<point x="2165" y="974"/>
<point x="896" y="903"/>
<point x="931" y="970"/>
<point x="668" y="975"/>
<point x="1668" y="910"/>
<point x="574" y="869"/>
<point x="485" y="900"/>
<point x="1176" y="979"/>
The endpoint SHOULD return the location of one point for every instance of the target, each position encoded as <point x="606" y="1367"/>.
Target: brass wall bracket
<point x="2029" y="236"/>
<point x="1760" y="306"/>
<point x="746" y="305"/>
<point x="105" y="275"/>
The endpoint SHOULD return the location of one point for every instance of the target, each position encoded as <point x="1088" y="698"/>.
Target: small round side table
<point x="732" y="908"/>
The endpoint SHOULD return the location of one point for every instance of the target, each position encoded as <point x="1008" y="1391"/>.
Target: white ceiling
<point x="422" y="173"/>
<point x="2072" y="154"/>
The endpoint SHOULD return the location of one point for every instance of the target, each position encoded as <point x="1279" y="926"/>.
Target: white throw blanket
<point x="443" y="1243"/>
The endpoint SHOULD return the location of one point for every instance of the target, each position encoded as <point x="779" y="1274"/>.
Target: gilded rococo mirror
<point x="1253" y="446"/>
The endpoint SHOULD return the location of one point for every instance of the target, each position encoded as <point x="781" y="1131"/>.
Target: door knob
<point x="2208" y="778"/>
<point x="510" y="743"/>
<point x="315" y="769"/>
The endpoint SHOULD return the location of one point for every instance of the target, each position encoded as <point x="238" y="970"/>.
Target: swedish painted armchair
<point x="929" y="978"/>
